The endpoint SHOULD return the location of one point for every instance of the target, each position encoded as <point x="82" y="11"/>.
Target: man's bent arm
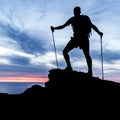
<point x="97" y="30"/>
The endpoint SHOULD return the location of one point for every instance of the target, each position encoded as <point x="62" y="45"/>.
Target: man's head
<point x="77" y="11"/>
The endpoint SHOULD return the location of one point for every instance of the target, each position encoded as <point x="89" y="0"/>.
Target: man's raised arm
<point x="58" y="27"/>
<point x="61" y="26"/>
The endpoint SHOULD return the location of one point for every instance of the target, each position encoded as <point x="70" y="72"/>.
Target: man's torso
<point x="81" y="25"/>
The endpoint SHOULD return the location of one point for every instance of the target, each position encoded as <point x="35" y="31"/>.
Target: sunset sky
<point x="26" y="44"/>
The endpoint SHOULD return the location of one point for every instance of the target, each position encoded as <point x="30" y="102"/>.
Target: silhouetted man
<point x="81" y="25"/>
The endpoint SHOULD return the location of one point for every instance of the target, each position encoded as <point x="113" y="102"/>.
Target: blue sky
<point x="26" y="43"/>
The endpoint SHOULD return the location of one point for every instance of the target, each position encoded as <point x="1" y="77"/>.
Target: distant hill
<point x="65" y="91"/>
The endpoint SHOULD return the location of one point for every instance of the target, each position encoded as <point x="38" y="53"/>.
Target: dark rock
<point x="65" y="91"/>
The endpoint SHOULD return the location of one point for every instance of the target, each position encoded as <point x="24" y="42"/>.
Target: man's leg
<point x="68" y="48"/>
<point x="89" y="61"/>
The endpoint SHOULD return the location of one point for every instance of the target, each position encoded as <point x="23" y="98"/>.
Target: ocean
<point x="17" y="87"/>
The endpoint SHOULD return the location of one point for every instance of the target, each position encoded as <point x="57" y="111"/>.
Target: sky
<point x="26" y="43"/>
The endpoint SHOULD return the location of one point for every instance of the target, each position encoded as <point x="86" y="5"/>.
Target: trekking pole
<point x="55" y="49"/>
<point x="102" y="59"/>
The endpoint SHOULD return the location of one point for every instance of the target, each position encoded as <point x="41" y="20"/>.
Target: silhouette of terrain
<point x="65" y="91"/>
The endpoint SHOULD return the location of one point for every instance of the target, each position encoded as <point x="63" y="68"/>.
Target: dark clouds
<point x="108" y="55"/>
<point x="28" y="43"/>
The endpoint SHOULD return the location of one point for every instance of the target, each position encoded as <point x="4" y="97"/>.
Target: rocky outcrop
<point x="65" y="91"/>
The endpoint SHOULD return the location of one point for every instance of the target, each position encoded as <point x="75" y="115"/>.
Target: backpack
<point x="85" y="24"/>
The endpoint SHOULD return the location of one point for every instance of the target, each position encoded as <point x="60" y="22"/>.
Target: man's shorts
<point x="81" y="42"/>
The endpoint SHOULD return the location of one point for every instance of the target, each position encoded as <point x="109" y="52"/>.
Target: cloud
<point x="26" y="42"/>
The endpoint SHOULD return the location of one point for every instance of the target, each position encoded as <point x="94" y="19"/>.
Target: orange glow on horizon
<point x="23" y="79"/>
